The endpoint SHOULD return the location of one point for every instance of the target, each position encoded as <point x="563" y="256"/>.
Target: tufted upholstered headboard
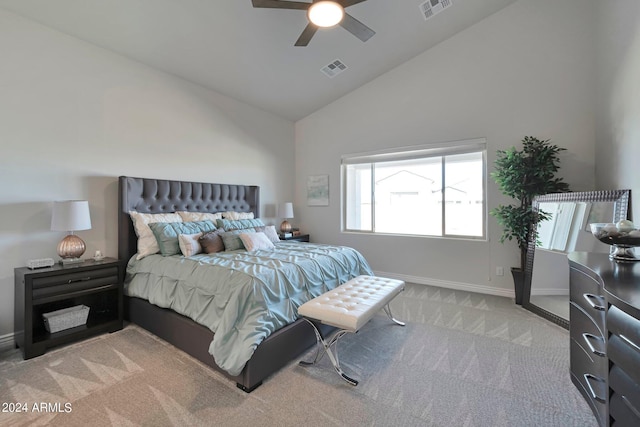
<point x="156" y="196"/>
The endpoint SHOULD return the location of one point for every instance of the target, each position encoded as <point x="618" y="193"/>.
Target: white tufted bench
<point x="349" y="307"/>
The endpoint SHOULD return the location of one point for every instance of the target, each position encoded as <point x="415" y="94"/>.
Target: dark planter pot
<point x="518" y="283"/>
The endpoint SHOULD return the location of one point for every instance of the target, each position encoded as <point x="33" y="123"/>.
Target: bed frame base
<point x="275" y="352"/>
<point x="248" y="390"/>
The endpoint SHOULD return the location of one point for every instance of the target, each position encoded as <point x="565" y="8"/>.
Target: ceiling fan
<point x="322" y="13"/>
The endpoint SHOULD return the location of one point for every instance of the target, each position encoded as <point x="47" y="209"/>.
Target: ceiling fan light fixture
<point x="325" y="13"/>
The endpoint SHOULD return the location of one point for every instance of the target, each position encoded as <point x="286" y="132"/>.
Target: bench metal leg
<point x="387" y="309"/>
<point x="333" y="355"/>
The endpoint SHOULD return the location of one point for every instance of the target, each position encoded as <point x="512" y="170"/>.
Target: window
<point x="434" y="190"/>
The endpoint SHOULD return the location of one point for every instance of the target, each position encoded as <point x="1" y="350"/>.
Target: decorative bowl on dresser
<point x="623" y="237"/>
<point x="94" y="284"/>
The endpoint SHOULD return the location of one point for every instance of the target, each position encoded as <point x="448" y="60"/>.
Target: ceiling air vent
<point x="333" y="69"/>
<point x="433" y="7"/>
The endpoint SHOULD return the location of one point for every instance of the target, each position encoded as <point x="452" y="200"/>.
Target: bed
<point x="286" y="337"/>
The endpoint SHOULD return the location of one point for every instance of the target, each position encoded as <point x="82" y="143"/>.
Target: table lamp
<point x="70" y="216"/>
<point x="285" y="211"/>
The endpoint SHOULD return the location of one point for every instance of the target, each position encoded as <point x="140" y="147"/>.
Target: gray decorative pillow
<point x="232" y="241"/>
<point x="211" y="242"/>
<point x="167" y="233"/>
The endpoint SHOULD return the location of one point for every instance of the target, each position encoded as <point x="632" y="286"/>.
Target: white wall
<point x="73" y="117"/>
<point x="618" y="130"/>
<point x="526" y="70"/>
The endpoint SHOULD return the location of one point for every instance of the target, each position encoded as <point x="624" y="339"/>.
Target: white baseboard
<point x="554" y="292"/>
<point x="447" y="284"/>
<point x="6" y="342"/>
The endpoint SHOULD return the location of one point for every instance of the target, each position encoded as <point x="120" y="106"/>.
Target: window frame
<point x="476" y="145"/>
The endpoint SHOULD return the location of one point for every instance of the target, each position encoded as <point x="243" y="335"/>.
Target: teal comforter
<point x="243" y="296"/>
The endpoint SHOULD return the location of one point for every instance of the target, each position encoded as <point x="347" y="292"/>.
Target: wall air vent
<point x="433" y="7"/>
<point x="333" y="69"/>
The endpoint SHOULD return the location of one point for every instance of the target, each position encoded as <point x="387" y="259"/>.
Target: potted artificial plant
<point x="523" y="175"/>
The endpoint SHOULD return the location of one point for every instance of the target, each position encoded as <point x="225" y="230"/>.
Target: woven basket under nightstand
<point x="66" y="318"/>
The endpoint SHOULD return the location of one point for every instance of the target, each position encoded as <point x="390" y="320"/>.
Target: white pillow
<point x="189" y="244"/>
<point x="256" y="241"/>
<point x="269" y="231"/>
<point x="147" y="243"/>
<point x="237" y="215"/>
<point x="199" y="216"/>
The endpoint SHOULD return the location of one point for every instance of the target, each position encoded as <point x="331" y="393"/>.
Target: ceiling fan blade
<point x="281" y="4"/>
<point x="356" y="28"/>
<point x="347" y="3"/>
<point x="306" y="35"/>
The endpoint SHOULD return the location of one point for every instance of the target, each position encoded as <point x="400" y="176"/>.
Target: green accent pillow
<point x="239" y="224"/>
<point x="232" y="241"/>
<point x="167" y="233"/>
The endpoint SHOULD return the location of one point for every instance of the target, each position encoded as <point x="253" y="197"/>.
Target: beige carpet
<point x="462" y="360"/>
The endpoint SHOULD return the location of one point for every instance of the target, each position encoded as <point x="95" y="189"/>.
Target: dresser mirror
<point x="546" y="286"/>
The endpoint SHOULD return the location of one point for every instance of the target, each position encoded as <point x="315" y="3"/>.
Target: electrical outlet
<point x="499" y="271"/>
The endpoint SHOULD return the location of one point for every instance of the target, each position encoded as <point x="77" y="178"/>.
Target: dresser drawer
<point x="584" y="362"/>
<point x="624" y="356"/>
<point x="585" y="332"/>
<point x="623" y="414"/>
<point x="581" y="283"/>
<point x="624" y="341"/>
<point x="62" y="284"/>
<point x="588" y="294"/>
<point x="592" y="385"/>
<point x="625" y="394"/>
<point x="625" y="326"/>
<point x="61" y="279"/>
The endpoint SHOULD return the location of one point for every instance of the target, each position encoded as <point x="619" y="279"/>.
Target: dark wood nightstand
<point x="96" y="284"/>
<point x="298" y="238"/>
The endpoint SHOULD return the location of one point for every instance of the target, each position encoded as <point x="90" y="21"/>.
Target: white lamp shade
<point x="285" y="210"/>
<point x="70" y="215"/>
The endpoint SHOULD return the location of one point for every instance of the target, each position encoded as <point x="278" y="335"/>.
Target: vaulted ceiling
<point x="248" y="53"/>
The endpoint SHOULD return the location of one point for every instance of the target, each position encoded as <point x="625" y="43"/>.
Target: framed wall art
<point x="318" y="190"/>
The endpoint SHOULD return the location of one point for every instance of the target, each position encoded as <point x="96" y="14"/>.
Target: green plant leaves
<point x="522" y="175"/>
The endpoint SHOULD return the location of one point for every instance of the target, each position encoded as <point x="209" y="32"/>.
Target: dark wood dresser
<point x="605" y="336"/>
